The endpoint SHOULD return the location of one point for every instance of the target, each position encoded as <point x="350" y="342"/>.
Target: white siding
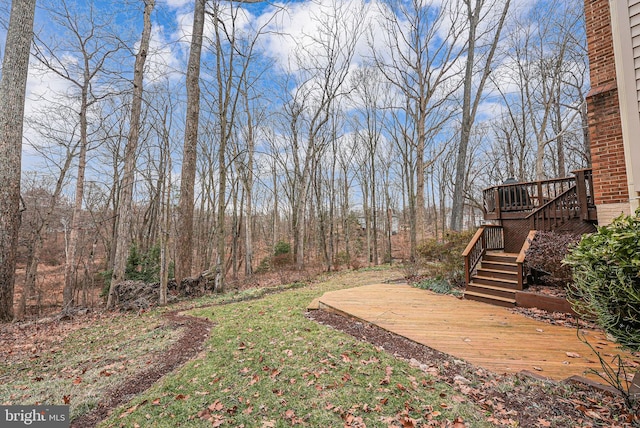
<point x="634" y="25"/>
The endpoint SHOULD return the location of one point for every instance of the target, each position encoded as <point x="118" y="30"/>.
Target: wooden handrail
<point x="483" y="240"/>
<point x="532" y="183"/>
<point x="473" y="241"/>
<point x="521" y="256"/>
<point x="527" y="243"/>
<point x="470" y="253"/>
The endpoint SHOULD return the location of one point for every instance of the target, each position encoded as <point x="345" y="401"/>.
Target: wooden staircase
<point x="494" y="258"/>
<point x="495" y="280"/>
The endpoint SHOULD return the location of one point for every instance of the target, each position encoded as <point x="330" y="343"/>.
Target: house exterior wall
<point x="613" y="105"/>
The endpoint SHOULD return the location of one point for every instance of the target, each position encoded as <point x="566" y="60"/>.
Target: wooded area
<point x="172" y="138"/>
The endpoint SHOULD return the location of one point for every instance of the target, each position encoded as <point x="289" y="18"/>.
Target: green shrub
<point x="282" y="248"/>
<point x="546" y="253"/>
<point x="438" y="285"/>
<point x="264" y="266"/>
<point x="145" y="266"/>
<point x="606" y="273"/>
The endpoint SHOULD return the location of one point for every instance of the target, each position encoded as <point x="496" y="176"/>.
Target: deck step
<point x="496" y="265"/>
<point x="495" y="280"/>
<point x="491" y="291"/>
<point x="494" y="300"/>
<point x="501" y="257"/>
<point x="497" y="273"/>
<point x="511" y="284"/>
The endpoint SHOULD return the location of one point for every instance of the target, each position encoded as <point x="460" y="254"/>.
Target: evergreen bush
<point x="606" y="273"/>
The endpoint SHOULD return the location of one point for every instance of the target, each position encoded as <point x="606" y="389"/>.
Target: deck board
<point x="488" y="336"/>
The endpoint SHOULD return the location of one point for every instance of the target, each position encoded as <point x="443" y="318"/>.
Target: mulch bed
<point x="511" y="400"/>
<point x="196" y="331"/>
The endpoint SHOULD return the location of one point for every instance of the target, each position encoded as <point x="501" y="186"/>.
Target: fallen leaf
<point x="458" y="423"/>
<point x="573" y="355"/>
<point x="216" y="406"/>
<point x="218" y="420"/>
<point x="408" y="422"/>
<point x="66" y="399"/>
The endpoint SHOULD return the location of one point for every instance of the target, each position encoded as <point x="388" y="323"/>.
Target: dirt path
<point x="196" y="332"/>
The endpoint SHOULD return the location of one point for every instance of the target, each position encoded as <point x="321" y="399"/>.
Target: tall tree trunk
<point x="562" y="169"/>
<point x="374" y="207"/>
<point x="125" y="210"/>
<point x="188" y="174"/>
<point x="469" y="105"/>
<point x="71" y="267"/>
<point x="15" y="68"/>
<point x="165" y="232"/>
<point x="248" y="189"/>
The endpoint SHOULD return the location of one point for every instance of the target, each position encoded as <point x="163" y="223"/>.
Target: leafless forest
<point x="168" y="138"/>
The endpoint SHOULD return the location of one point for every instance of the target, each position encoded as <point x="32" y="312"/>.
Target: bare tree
<point x="184" y="259"/>
<point x="421" y="64"/>
<point x="482" y="34"/>
<point x="323" y="65"/>
<point x="15" y="67"/>
<point x="86" y="37"/>
<point x="125" y="213"/>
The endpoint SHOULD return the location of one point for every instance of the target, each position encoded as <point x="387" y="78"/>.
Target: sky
<point x="286" y="26"/>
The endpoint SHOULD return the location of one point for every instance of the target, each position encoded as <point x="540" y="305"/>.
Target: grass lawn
<point x="76" y="362"/>
<point x="266" y="365"/>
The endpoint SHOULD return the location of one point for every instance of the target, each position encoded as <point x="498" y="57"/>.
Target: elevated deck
<point x="516" y="211"/>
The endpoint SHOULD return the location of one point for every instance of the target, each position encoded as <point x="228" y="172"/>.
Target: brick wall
<point x="605" y="129"/>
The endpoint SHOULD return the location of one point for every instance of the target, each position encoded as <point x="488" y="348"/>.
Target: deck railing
<point x="557" y="211"/>
<point x="523" y="198"/>
<point x="487" y="238"/>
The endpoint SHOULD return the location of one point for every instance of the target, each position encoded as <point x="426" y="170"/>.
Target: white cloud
<point x="177" y="4"/>
<point x="164" y="60"/>
<point x="300" y="27"/>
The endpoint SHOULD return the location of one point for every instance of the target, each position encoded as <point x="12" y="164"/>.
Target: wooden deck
<point x="484" y="335"/>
